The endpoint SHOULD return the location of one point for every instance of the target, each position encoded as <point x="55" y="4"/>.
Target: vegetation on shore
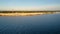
<point x="26" y="11"/>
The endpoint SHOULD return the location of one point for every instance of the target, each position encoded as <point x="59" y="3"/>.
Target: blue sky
<point x="29" y="4"/>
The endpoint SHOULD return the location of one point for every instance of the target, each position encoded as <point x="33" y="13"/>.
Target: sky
<point x="29" y="5"/>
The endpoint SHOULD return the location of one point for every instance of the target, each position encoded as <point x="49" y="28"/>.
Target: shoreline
<point x="23" y="14"/>
<point x="26" y="13"/>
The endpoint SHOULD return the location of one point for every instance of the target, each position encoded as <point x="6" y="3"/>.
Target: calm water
<point x="41" y="24"/>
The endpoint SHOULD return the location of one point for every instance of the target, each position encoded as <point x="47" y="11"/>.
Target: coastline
<point x="24" y="13"/>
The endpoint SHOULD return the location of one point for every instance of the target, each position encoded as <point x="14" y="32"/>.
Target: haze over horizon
<point x="29" y="5"/>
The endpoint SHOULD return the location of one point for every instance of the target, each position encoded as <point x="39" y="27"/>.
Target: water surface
<point x="41" y="24"/>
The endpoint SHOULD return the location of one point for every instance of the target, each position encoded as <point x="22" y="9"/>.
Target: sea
<point x="38" y="24"/>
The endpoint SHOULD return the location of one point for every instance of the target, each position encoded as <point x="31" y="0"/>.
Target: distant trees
<point x="25" y="11"/>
